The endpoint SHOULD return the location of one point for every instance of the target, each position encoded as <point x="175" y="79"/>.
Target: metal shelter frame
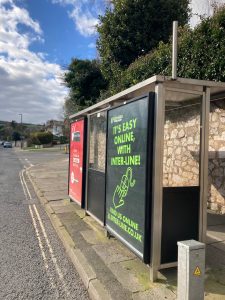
<point x="161" y="85"/>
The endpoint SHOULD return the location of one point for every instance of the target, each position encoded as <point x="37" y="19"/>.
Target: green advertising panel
<point x="126" y="173"/>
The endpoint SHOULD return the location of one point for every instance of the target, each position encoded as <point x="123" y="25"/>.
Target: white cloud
<point x="85" y="22"/>
<point x="91" y="45"/>
<point x="84" y="13"/>
<point x="29" y="83"/>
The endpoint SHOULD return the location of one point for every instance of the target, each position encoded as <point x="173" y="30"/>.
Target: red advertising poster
<point x="76" y="161"/>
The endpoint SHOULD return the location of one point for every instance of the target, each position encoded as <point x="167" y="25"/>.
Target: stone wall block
<point x="218" y="172"/>
<point x="188" y="175"/>
<point x="214" y="117"/>
<point x="174" y="134"/>
<point x="178" y="151"/>
<point x="222" y="118"/>
<point x="181" y="134"/>
<point x="211" y="166"/>
<point x="178" y="163"/>
<point x="213" y="206"/>
<point x="191" y="148"/>
<point x="190" y="141"/>
<point x="214" y="124"/>
<point x="195" y="170"/>
<point x="218" y="182"/>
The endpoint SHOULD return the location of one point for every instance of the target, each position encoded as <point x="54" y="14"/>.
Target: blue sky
<point x="63" y="39"/>
<point x="38" y="38"/>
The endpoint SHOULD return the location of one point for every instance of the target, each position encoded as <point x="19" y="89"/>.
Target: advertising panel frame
<point x="83" y="188"/>
<point x="89" y="170"/>
<point x="145" y="256"/>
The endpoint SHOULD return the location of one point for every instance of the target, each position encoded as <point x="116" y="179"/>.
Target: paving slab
<point x="62" y="209"/>
<point x="55" y="195"/>
<point x="94" y="238"/>
<point x="214" y="290"/>
<point x="112" y="253"/>
<point x="160" y="293"/>
<point x="216" y="232"/>
<point x="215" y="257"/>
<point x="126" y="278"/>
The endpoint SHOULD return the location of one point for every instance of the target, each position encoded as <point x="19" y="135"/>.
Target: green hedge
<point x="201" y="55"/>
<point x="41" y="138"/>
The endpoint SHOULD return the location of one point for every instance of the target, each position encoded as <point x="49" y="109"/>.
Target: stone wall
<point x="182" y="148"/>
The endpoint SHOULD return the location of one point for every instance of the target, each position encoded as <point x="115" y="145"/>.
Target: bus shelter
<point x="146" y="165"/>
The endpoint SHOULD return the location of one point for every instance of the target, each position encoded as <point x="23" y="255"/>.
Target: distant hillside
<point x="8" y="130"/>
<point x="18" y="123"/>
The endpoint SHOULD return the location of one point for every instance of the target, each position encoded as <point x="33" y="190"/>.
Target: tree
<point x="200" y="54"/>
<point x="133" y="28"/>
<point x="13" y="124"/>
<point x="85" y="81"/>
<point x="16" y="136"/>
<point x="41" y="138"/>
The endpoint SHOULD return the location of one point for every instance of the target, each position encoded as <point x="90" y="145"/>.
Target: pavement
<point x="108" y="269"/>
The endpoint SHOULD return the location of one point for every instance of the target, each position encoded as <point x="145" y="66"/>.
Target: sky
<point x="38" y="38"/>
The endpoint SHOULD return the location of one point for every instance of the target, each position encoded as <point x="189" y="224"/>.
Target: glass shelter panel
<point x="181" y="157"/>
<point x="96" y="165"/>
<point x="97" y="146"/>
<point x="181" y="170"/>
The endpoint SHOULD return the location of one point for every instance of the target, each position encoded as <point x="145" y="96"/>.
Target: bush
<point x="41" y="138"/>
<point x="200" y="56"/>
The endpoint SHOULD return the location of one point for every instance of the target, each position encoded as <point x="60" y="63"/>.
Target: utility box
<point x="191" y="270"/>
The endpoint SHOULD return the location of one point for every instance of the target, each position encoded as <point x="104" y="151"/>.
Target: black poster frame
<point x="84" y="162"/>
<point x="99" y="176"/>
<point x="148" y="178"/>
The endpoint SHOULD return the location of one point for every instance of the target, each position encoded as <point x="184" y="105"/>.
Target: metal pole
<point x="174" y="51"/>
<point x="204" y="164"/>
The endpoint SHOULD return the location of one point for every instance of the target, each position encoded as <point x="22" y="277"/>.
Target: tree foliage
<point x="16" y="136"/>
<point x="200" y="55"/>
<point x="41" y="138"/>
<point x="85" y="81"/>
<point x="133" y="28"/>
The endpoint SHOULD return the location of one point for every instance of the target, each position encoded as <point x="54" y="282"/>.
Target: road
<point x="33" y="263"/>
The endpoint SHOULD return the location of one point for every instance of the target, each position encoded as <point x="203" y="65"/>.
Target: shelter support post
<point x="204" y="164"/>
<point x="157" y="181"/>
<point x="87" y="161"/>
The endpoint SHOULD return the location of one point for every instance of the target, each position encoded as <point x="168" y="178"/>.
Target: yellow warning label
<point x="197" y="271"/>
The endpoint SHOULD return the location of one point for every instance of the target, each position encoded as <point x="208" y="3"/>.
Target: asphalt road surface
<point x="33" y="263"/>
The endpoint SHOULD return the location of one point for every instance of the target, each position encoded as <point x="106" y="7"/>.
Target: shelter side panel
<point x="180" y="219"/>
<point x="96" y="193"/>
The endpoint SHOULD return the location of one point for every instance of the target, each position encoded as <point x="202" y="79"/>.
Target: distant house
<point x="203" y="8"/>
<point x="55" y="127"/>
